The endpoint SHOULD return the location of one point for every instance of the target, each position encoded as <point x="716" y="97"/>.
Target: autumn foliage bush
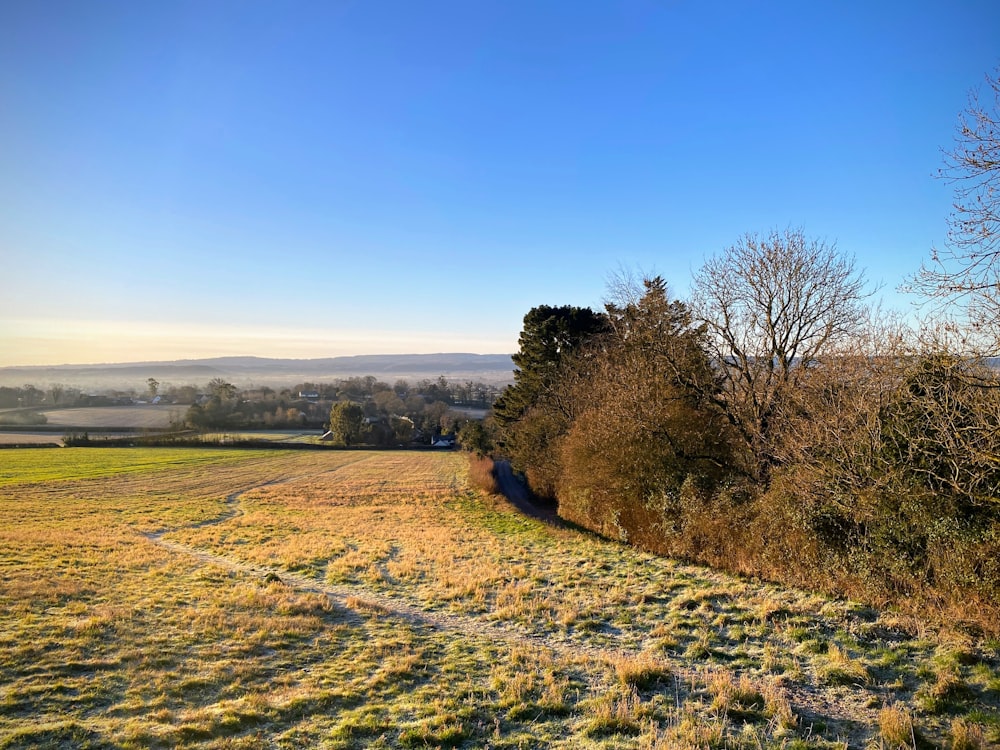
<point x="879" y="480"/>
<point x="848" y="516"/>
<point x="776" y="424"/>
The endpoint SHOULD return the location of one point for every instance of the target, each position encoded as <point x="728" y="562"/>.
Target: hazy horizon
<point x="211" y="358"/>
<point x="89" y="342"/>
<point x="186" y="179"/>
<point x="253" y="371"/>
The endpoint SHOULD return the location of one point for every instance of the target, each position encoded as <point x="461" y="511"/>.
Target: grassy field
<point x="149" y="416"/>
<point x="239" y="599"/>
<point x="272" y="436"/>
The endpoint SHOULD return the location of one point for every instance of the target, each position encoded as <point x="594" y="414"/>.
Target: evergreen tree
<point x="528" y="414"/>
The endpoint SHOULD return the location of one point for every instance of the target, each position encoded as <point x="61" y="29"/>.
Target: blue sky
<point x="188" y="179"/>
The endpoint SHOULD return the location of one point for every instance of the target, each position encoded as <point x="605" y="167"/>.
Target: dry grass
<point x="619" y="711"/>
<point x="739" y="697"/>
<point x="896" y="730"/>
<point x="967" y="736"/>
<point x="643" y="670"/>
<point x="481" y="474"/>
<point x="528" y="636"/>
<point x="842" y="669"/>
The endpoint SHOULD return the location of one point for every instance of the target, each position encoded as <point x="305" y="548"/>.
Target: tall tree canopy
<point x="549" y="335"/>
<point x="346" y="421"/>
<point x="527" y="414"/>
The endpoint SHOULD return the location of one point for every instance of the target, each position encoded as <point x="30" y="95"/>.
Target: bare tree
<point x="967" y="269"/>
<point x="56" y="392"/>
<point x="773" y="306"/>
<point x="221" y="389"/>
<point x="944" y="426"/>
<point x="833" y="422"/>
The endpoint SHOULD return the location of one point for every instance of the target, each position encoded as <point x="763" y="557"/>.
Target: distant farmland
<point x="144" y="417"/>
<point x="29" y="438"/>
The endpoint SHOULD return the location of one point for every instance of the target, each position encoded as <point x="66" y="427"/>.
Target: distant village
<point x="429" y="411"/>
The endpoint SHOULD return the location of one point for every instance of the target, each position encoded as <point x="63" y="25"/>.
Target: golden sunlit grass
<point x="364" y="599"/>
<point x="896" y="728"/>
<point x="481" y="474"/>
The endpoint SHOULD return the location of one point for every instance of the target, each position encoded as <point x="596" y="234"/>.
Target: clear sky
<point x="307" y="179"/>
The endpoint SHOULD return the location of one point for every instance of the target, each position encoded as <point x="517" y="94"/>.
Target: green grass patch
<point x="68" y="464"/>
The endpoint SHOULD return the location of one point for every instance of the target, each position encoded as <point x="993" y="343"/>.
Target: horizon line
<point x="223" y="357"/>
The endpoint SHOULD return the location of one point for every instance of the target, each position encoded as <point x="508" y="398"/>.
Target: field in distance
<point x="128" y="419"/>
<point x="145" y="417"/>
<point x="244" y="599"/>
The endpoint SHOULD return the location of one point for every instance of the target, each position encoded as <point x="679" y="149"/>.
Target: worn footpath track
<point x="847" y="715"/>
<point x="387" y="605"/>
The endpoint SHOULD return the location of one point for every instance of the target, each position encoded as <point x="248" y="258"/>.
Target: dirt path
<point x="519" y="495"/>
<point x="362" y="597"/>
<point x="848" y="716"/>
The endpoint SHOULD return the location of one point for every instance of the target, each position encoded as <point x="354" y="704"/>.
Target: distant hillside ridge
<point x="243" y="371"/>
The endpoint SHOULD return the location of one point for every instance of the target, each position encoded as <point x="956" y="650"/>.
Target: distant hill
<point x="244" y="371"/>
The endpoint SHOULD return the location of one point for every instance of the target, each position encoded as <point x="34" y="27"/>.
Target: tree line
<point x="357" y="410"/>
<point x="379" y="413"/>
<point x="777" y="423"/>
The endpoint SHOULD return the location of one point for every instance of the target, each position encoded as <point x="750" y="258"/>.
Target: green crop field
<point x="258" y="599"/>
